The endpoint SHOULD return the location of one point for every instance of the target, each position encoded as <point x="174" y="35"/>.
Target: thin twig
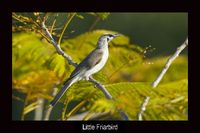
<point x="75" y="109"/>
<point x="90" y="29"/>
<point x="64" y="110"/>
<point x="25" y="103"/>
<point x="160" y="76"/>
<point x="54" y="22"/>
<point x="48" y="112"/>
<point x="65" y="27"/>
<point x="94" y="23"/>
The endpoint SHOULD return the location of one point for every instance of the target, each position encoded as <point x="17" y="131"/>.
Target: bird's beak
<point x="116" y="35"/>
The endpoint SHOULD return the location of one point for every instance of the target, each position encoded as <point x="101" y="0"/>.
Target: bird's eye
<point x="108" y="39"/>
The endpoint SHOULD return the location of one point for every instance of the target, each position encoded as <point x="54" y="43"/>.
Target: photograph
<point x="99" y="66"/>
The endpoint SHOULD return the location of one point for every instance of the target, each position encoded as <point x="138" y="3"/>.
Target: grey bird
<point x="93" y="63"/>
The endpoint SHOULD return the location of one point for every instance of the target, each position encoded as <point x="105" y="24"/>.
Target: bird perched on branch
<point x="93" y="63"/>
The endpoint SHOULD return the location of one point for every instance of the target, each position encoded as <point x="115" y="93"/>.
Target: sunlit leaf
<point x="57" y="63"/>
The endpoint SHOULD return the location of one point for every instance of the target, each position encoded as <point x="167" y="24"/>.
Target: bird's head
<point x="106" y="38"/>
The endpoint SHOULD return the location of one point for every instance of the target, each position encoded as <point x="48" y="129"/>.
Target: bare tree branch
<point x="160" y="76"/>
<point x="57" y="47"/>
<point x="143" y="107"/>
<point x="101" y="87"/>
<point x="169" y="62"/>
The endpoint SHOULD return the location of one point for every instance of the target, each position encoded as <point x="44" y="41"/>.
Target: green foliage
<point x="30" y="56"/>
<point x="168" y="102"/>
<point x="57" y="63"/>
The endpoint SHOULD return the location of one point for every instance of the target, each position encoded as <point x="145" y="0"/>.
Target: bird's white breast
<point x="101" y="64"/>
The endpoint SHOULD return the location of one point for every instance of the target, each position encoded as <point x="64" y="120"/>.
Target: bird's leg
<point x="101" y="87"/>
<point x="87" y="78"/>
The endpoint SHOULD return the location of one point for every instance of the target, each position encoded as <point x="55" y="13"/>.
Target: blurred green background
<point x="163" y="31"/>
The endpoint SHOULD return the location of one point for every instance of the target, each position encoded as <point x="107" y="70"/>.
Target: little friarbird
<point x="93" y="63"/>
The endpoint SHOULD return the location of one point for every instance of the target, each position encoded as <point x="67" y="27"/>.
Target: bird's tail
<point x="65" y="87"/>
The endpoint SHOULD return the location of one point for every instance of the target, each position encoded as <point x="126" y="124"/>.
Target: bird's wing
<point x="94" y="58"/>
<point x="90" y="61"/>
